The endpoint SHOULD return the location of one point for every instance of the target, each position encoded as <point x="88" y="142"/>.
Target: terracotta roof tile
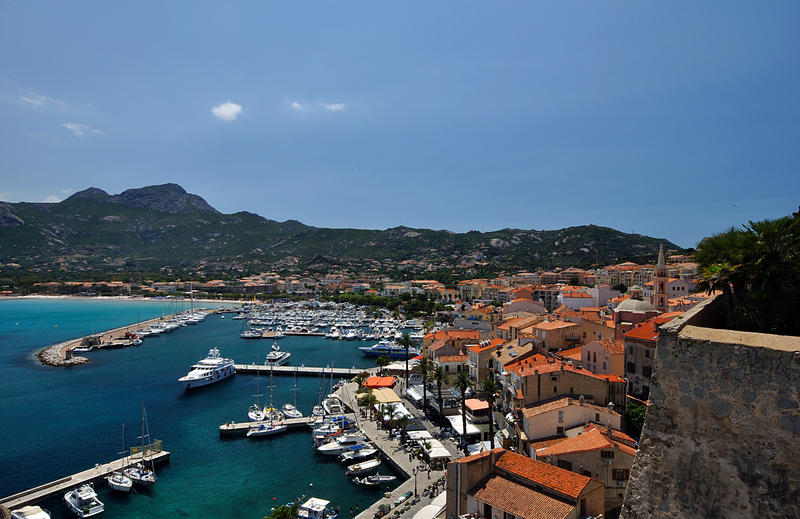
<point x="453" y="358"/>
<point x="562" y="481"/>
<point x="589" y="441"/>
<point x="519" y="500"/>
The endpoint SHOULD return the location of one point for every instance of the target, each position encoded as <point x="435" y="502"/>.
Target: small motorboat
<point x="363" y="467"/>
<point x="290" y="411"/>
<point x="30" y="512"/>
<point x="83" y="502"/>
<point x="357" y="452"/>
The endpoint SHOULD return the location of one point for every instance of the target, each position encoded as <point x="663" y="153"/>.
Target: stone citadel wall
<point x="722" y="431"/>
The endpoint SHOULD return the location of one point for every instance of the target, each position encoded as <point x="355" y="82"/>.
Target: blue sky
<point x="674" y="119"/>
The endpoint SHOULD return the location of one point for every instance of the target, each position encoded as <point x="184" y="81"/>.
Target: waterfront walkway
<point x="62" y="485"/>
<point x="401" y="460"/>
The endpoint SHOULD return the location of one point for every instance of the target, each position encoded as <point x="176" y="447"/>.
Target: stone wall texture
<point x="722" y="430"/>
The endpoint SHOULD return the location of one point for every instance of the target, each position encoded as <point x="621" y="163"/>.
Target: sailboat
<point x="256" y="413"/>
<point x="270" y="429"/>
<point x="139" y="473"/>
<point x="290" y="410"/>
<point x="117" y="480"/>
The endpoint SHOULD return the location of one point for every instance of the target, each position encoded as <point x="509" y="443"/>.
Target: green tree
<point x="402" y="423"/>
<point x="463" y="382"/>
<point x="382" y="362"/>
<point x="440" y="377"/>
<point x="757" y="268"/>
<point x="425" y="367"/>
<point x="620" y="287"/>
<point x="490" y="389"/>
<point x="406" y="342"/>
<point x="284" y="512"/>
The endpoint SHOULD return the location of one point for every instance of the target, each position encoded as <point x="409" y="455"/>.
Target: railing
<point x="149" y="449"/>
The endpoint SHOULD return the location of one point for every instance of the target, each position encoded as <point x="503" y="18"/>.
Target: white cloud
<point x="296" y="105"/>
<point x="36" y="100"/>
<point x="227" y="111"/>
<point x="67" y="191"/>
<point x="52" y="199"/>
<point x="334" y="107"/>
<point x="80" y="130"/>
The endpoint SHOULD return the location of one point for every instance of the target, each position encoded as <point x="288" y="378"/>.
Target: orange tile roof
<point x="453" y="334"/>
<point x="453" y="358"/>
<point x="647" y="330"/>
<point x="494" y="343"/>
<point x="572" y="353"/>
<point x="541" y="364"/>
<point x="612" y="346"/>
<point x="476" y="405"/>
<point x="589" y="441"/>
<point x="576" y="295"/>
<point x="539" y="472"/>
<point x="553" y="325"/>
<point x="561" y="403"/>
<point x="519" y="500"/>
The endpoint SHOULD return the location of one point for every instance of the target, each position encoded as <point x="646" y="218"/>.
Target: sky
<point x="673" y="119"/>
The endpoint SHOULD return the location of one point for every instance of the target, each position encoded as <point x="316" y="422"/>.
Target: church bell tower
<point x="660" y="280"/>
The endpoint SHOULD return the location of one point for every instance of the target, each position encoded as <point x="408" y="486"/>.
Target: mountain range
<point x="165" y="228"/>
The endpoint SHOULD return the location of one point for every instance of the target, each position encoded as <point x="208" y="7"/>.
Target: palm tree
<point x="402" y="423"/>
<point x="382" y="362"/>
<point x="440" y="377"/>
<point x="406" y="342"/>
<point x="490" y="388"/>
<point x="368" y="400"/>
<point x="425" y="366"/>
<point x="463" y="382"/>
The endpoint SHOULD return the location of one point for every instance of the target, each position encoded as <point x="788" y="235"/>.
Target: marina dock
<point x="62" y="485"/>
<point x="241" y="428"/>
<point x="300" y="370"/>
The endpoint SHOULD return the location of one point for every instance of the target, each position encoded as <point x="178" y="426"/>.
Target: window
<point x="564" y="465"/>
<point x="646" y="353"/>
<point x="553" y="378"/>
<point x="594" y="357"/>
<point x="597" y="417"/>
<point x="561" y="417"/>
<point x="555" y="390"/>
<point x="604" y="366"/>
<point x="631" y="367"/>
<point x="607" y="454"/>
<point x="621" y="474"/>
<point x="647" y="371"/>
<point x="559" y="430"/>
<point x="584" y="335"/>
<point x="587" y="473"/>
<point x="571" y="389"/>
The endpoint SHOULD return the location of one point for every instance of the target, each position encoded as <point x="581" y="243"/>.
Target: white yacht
<point x="316" y="508"/>
<point x="363" y="467"/>
<point x="333" y="405"/>
<point x="140" y="475"/>
<point x="265" y="429"/>
<point x="209" y="370"/>
<point x="341" y="444"/>
<point x="290" y="411"/>
<point x="30" y="512"/>
<point x="83" y="502"/>
<point x="276" y="357"/>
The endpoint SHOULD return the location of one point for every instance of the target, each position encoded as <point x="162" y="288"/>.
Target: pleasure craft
<point x="83" y="502"/>
<point x="357" y="452"/>
<point x="341" y="444"/>
<point x="30" y="512"/>
<point x="119" y="481"/>
<point x="209" y="370"/>
<point x="140" y="475"/>
<point x="363" y="467"/>
<point x="276" y="357"/>
<point x="252" y="333"/>
<point x="316" y="508"/>
<point x="256" y="413"/>
<point x="265" y="429"/>
<point x="333" y="405"/>
<point x="390" y="349"/>
<point x="291" y="411"/>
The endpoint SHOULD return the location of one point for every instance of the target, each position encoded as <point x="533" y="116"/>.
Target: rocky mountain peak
<point x="169" y="198"/>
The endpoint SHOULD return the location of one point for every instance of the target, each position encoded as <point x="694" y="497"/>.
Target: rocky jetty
<point x="58" y="355"/>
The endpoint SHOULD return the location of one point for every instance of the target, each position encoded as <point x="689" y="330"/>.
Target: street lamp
<point x="416" y="469"/>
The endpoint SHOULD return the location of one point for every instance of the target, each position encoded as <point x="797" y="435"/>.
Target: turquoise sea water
<point x="57" y="421"/>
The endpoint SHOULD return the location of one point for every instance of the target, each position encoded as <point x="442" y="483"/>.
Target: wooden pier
<point x="241" y="428"/>
<point x="306" y="371"/>
<point x="63" y="485"/>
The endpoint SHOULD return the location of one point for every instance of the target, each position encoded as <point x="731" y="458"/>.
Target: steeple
<point x="660" y="281"/>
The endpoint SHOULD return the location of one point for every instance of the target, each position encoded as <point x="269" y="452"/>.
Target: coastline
<point x="126" y="298"/>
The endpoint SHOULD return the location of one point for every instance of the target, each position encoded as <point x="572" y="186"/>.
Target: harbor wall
<point x="722" y="429"/>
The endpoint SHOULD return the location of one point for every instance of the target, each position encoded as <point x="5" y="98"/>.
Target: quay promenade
<point x="416" y="471"/>
<point x="41" y="492"/>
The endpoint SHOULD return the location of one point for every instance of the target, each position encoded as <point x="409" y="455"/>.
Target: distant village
<point x="570" y="350"/>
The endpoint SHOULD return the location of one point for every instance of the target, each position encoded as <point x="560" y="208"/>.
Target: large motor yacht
<point x="388" y="348"/>
<point x="276" y="357"/>
<point x="211" y="369"/>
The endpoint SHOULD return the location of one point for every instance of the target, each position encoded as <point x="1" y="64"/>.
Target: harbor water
<point x="58" y="421"/>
